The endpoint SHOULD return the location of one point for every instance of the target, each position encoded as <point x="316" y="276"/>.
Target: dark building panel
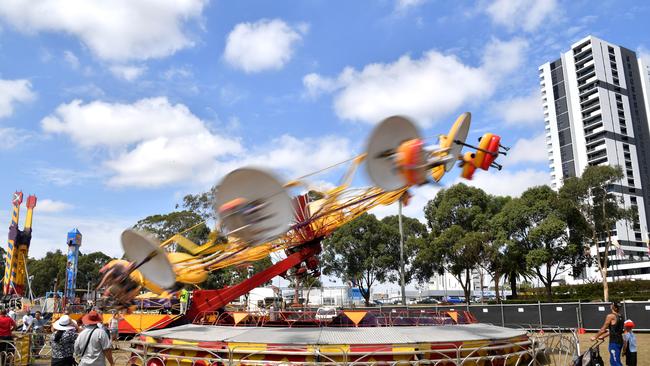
<point x="639" y="122"/>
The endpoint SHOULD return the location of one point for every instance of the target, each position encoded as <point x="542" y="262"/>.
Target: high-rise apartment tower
<point x="595" y="99"/>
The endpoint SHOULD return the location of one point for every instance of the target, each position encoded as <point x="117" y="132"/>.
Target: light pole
<point x="401" y="251"/>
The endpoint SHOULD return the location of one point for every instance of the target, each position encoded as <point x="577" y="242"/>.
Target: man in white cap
<point x="63" y="339"/>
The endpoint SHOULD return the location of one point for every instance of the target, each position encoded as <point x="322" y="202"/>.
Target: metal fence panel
<point x="564" y="315"/>
<point x="593" y="314"/>
<point x="521" y="314"/>
<point x="639" y="313"/>
<point x="487" y="313"/>
<point x="459" y="307"/>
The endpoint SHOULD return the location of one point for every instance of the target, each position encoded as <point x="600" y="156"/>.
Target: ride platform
<point x="208" y="345"/>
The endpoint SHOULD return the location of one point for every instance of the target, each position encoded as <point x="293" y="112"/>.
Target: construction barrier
<point x="570" y="315"/>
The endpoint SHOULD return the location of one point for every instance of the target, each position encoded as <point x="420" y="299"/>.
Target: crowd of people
<point x="87" y="344"/>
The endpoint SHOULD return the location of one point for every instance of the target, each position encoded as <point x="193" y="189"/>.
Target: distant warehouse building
<point x="596" y="105"/>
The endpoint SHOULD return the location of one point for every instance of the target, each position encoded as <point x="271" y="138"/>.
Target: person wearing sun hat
<point x="62" y="342"/>
<point x="629" y="343"/>
<point x="93" y="345"/>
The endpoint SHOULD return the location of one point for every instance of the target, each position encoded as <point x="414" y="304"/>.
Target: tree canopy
<point x="593" y="195"/>
<point x="363" y="253"/>
<point x="459" y="221"/>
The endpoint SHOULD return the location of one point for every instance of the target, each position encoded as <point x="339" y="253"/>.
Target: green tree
<point x="233" y="275"/>
<point x="551" y="250"/>
<point x="164" y="226"/>
<point x="599" y="207"/>
<point x="459" y="221"/>
<point x="512" y="227"/>
<point x="88" y="269"/>
<point x="494" y="260"/>
<point x="201" y="204"/>
<point x="414" y="232"/>
<point x="48" y="272"/>
<point x="363" y="253"/>
<point x="306" y="281"/>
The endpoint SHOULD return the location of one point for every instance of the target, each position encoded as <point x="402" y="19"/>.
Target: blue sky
<point x="110" y="113"/>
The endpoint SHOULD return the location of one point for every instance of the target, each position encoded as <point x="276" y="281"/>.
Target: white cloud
<point x="166" y="160"/>
<point x="12" y="92"/>
<point x="297" y="157"/>
<point x="99" y="233"/>
<point x="521" y="110"/>
<point x="50" y="206"/>
<point x="507" y="182"/>
<point x="63" y="177"/>
<point x="151" y="142"/>
<point x="263" y="45"/>
<point x="402" y="5"/>
<point x="12" y="137"/>
<point x="427" y="88"/>
<point x="115" y="124"/>
<point x="531" y="150"/>
<point x="127" y="72"/>
<point x="116" y="30"/>
<point x="177" y="73"/>
<point x="71" y="59"/>
<point x="525" y="14"/>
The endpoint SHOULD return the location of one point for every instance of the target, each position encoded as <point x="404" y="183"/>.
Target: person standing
<point x="38" y="328"/>
<point x="12" y="314"/>
<point x="27" y="322"/>
<point x="629" y="344"/>
<point x="613" y="327"/>
<point x="93" y="345"/>
<point x="7" y="325"/>
<point x="114" y="326"/>
<point x="62" y="342"/>
<point x="184" y="299"/>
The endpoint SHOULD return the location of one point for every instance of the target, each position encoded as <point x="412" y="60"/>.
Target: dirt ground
<point x="643" y="344"/>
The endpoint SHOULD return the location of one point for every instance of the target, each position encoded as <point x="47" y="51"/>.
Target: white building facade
<point x="595" y="99"/>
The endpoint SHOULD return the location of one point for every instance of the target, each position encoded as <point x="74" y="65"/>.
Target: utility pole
<point x="401" y="252"/>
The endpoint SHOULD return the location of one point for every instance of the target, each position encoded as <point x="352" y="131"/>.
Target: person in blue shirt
<point x="629" y="344"/>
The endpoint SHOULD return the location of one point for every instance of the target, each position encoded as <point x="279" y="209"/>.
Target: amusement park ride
<point x="257" y="216"/>
<point x="15" y="276"/>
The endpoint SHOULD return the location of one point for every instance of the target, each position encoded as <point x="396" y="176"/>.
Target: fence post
<point x="503" y="321"/>
<point x="624" y="311"/>
<point x="579" y="315"/>
<point x="539" y="310"/>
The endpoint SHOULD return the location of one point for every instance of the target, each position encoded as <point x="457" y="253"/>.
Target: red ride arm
<point x="204" y="301"/>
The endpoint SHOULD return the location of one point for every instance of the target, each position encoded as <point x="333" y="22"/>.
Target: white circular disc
<point x="137" y="246"/>
<point x="254" y="184"/>
<point x="388" y="136"/>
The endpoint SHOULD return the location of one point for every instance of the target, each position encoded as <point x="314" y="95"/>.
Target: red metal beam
<point x="204" y="301"/>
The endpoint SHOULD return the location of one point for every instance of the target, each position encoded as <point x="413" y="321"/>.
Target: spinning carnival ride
<point x="258" y="217"/>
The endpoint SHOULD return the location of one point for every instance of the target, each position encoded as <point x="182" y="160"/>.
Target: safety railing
<point x="374" y="318"/>
<point x="555" y="347"/>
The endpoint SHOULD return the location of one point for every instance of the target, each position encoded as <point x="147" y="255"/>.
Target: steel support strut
<point x="204" y="301"/>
